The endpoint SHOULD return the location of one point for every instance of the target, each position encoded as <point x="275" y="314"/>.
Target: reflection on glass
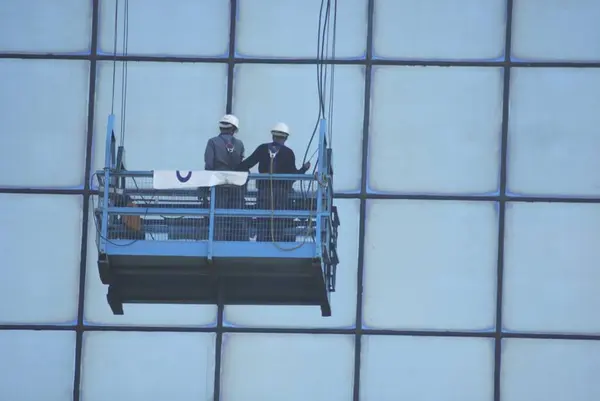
<point x="44" y="122"/>
<point x="40" y="258"/>
<point x="303" y="367"/>
<point x="435" y="130"/>
<point x="430" y="265"/>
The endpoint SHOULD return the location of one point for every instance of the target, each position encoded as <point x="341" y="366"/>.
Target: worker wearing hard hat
<point x="274" y="158"/>
<point x="225" y="152"/>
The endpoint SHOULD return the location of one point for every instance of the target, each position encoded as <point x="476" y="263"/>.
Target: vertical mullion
<point x="228" y="109"/>
<point x="363" y="201"/>
<point x="502" y="201"/>
<point x="86" y="203"/>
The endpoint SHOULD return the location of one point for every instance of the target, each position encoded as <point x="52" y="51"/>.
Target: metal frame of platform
<point x="210" y="271"/>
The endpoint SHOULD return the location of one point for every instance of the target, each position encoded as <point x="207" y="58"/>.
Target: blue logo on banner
<point x="181" y="178"/>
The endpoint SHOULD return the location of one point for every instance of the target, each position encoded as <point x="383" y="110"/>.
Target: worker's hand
<point x="306" y="165"/>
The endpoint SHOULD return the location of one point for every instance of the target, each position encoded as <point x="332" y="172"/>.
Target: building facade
<point x="465" y="139"/>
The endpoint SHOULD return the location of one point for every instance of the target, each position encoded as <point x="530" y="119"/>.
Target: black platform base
<point x="229" y="281"/>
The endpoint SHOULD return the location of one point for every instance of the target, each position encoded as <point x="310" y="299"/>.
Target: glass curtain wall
<point x="465" y="138"/>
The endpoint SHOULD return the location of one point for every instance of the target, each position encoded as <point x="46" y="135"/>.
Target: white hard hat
<point x="280" y="129"/>
<point x="229" y="120"/>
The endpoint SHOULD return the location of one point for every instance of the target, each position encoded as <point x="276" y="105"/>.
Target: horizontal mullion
<point x="265" y="330"/>
<point x="484" y="198"/>
<point x="303" y="60"/>
<point x="43" y="191"/>
<point x="45" y="56"/>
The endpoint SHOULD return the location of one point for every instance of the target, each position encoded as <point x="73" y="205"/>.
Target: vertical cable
<point x="114" y="77"/>
<point x="332" y="81"/>
<point x="124" y="71"/>
<point x="322" y="26"/>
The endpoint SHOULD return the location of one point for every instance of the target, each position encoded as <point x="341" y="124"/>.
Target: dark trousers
<point x="275" y="229"/>
<point x="230" y="228"/>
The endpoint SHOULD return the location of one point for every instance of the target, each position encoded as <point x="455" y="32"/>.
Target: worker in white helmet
<point x="225" y="152"/>
<point x="274" y="158"/>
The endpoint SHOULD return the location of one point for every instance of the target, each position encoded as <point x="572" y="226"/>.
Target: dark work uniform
<point x="224" y="153"/>
<point x="273" y="194"/>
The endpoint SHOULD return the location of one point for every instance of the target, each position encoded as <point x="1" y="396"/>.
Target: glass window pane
<point x="550" y="370"/>
<point x="438" y="129"/>
<point x="265" y="29"/>
<point x="551" y="270"/>
<point x="543" y="30"/>
<point x="159" y="28"/>
<point x="138" y="366"/>
<point x="42" y="26"/>
<point x="553" y="131"/>
<point x="172" y="110"/>
<point x="97" y="311"/>
<point x="343" y="301"/>
<point x="37" y="365"/>
<point x="425" y="369"/>
<point x="301" y="367"/>
<point x="432" y="29"/>
<point x="40" y="250"/>
<point x="266" y="94"/>
<point x="44" y="120"/>
<point x="430" y="265"/>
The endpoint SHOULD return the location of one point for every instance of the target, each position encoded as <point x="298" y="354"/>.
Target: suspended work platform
<point x="199" y="237"/>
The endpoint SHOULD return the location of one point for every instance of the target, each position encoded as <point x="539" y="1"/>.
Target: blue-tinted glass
<point x="137" y="366"/>
<point x="41" y="26"/>
<point x="40" y="248"/>
<point x="433" y="29"/>
<point x="289" y="28"/>
<point x="43" y="108"/>
<point x="97" y="311"/>
<point x="343" y="301"/>
<point x="550" y="370"/>
<point x="172" y="110"/>
<point x="556" y="30"/>
<point x="297" y="367"/>
<point x="37" y="365"/>
<point x="166" y="28"/>
<point x="427" y="369"/>
<point x="553" y="131"/>
<point x="435" y="130"/>
<point x="267" y="94"/>
<point x="551" y="270"/>
<point x="430" y="265"/>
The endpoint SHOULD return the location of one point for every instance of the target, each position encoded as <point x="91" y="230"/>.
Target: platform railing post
<point x="320" y="176"/>
<point x="108" y="161"/>
<point x="211" y="223"/>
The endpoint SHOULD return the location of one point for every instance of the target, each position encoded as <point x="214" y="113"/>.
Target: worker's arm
<point x="209" y="155"/>
<point x="251" y="161"/>
<point x="302" y="169"/>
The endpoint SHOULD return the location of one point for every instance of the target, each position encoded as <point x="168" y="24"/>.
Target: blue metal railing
<point x="287" y="209"/>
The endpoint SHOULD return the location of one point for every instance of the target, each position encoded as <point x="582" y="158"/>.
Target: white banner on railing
<point x="174" y="179"/>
